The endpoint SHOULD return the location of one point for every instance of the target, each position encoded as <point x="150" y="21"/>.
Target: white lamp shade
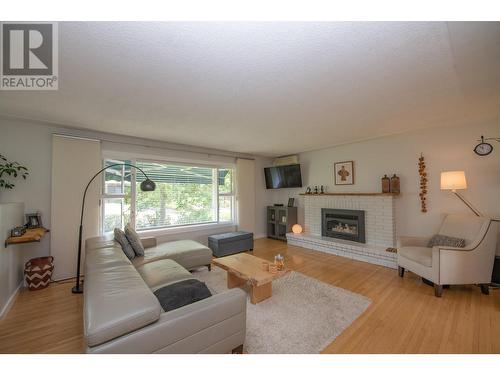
<point x="453" y="180"/>
<point x="297" y="228"/>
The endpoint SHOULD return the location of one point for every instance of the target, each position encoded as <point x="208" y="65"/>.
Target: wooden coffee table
<point x="245" y="268"/>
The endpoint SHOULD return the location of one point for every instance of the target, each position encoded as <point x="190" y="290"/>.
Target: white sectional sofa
<point x="122" y="315"/>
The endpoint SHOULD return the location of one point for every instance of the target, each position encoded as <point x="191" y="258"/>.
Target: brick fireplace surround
<point x="380" y="227"/>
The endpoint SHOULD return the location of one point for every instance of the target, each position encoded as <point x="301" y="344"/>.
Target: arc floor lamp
<point x="455" y="180"/>
<point x="146" y="185"/>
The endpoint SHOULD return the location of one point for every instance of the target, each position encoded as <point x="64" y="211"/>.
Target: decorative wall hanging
<point x="343" y="173"/>
<point x="423" y="183"/>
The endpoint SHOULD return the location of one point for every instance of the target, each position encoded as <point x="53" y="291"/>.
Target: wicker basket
<point x="38" y="272"/>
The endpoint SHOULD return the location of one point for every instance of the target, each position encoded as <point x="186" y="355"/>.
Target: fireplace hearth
<point x="379" y="227"/>
<point x="344" y="224"/>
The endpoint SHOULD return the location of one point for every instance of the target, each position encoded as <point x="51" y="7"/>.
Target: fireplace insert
<point x="344" y="224"/>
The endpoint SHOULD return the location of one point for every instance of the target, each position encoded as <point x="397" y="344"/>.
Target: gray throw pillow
<point x="122" y="240"/>
<point x="134" y="240"/>
<point x="182" y="293"/>
<point x="441" y="240"/>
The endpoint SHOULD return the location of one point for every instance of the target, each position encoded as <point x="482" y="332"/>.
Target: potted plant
<point x="9" y="170"/>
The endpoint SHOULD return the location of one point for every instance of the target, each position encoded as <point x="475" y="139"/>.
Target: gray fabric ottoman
<point x="230" y="243"/>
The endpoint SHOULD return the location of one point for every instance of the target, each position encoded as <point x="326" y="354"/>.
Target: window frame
<point x="105" y="196"/>
<point x="133" y="194"/>
<point x="231" y="194"/>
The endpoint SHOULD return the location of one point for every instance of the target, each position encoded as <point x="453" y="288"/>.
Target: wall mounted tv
<point x="283" y="176"/>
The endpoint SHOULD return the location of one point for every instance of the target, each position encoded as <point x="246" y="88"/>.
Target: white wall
<point x="11" y="264"/>
<point x="446" y="148"/>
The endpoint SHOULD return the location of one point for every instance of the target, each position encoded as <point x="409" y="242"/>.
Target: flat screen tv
<point x="284" y="176"/>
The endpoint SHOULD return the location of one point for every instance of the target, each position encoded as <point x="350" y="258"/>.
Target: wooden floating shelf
<point x="353" y="194"/>
<point x="31" y="235"/>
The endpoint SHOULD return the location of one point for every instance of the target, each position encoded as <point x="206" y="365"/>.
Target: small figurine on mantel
<point x="386" y="184"/>
<point x="322" y="190"/>
<point x="395" y="184"/>
<point x="316" y="189"/>
<point x="390" y="185"/>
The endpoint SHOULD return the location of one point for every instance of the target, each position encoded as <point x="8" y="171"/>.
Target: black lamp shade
<point x="148" y="185"/>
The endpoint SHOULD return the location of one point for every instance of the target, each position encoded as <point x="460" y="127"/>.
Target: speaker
<point x="286" y="160"/>
<point x="495" y="278"/>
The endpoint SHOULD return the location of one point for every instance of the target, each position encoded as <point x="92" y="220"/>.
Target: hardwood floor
<point x="45" y="321"/>
<point x="404" y="316"/>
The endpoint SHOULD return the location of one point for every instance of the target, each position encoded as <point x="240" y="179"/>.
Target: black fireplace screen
<point x="345" y="224"/>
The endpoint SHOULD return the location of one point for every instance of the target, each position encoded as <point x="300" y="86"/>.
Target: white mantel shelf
<point x="353" y="194"/>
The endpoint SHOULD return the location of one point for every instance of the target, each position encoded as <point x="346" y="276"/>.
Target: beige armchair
<point x="472" y="264"/>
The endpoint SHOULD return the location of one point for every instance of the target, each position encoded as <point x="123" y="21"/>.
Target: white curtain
<point x="74" y="162"/>
<point x="245" y="194"/>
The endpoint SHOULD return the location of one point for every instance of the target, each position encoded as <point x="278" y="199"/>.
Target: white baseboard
<point x="10" y="301"/>
<point x="258" y="236"/>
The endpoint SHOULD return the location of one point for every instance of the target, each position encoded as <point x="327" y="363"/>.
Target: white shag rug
<point x="303" y="315"/>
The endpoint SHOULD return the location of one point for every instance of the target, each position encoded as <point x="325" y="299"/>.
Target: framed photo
<point x="33" y="220"/>
<point x="343" y="173"/>
<point x="291" y="201"/>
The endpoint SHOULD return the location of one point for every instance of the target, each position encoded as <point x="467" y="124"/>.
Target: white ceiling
<point x="268" y="88"/>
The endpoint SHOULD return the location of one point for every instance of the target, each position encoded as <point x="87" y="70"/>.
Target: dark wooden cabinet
<point x="280" y="220"/>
